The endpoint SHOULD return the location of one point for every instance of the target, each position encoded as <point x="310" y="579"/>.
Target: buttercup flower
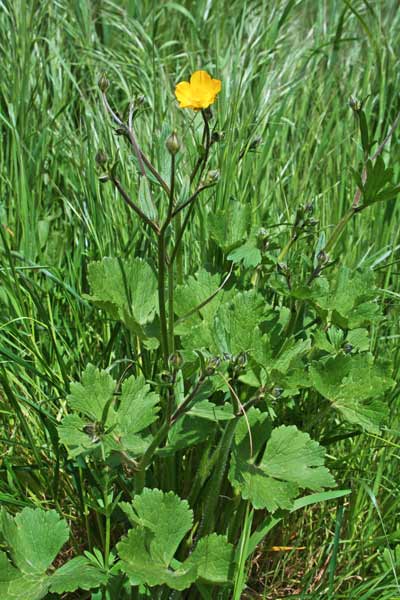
<point x="199" y="93"/>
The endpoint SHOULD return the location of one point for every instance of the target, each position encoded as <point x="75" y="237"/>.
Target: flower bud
<point x="101" y="158"/>
<point x="322" y="257"/>
<point x="354" y="104"/>
<point x="173" y="144"/>
<point x="211" y="177"/>
<point x="255" y="143"/>
<point x="240" y="360"/>
<point x="103" y="83"/>
<point x="212" y="365"/>
<point x="166" y="377"/>
<point x="217" y="136"/>
<point x="277" y="392"/>
<point x="175" y="360"/>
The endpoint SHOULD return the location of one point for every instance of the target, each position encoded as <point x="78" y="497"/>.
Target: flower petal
<point x="184" y="95"/>
<point x="200" y="79"/>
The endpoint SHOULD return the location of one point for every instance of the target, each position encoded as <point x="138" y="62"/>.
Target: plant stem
<point x="286" y="249"/>
<point x="162" y="434"/>
<point x="337" y="232"/>
<point x="171" y="265"/>
<point x="171" y="313"/>
<point x="134" y="206"/>
<point x="214" y="490"/>
<point x="178" y="254"/>
<point x="161" y="297"/>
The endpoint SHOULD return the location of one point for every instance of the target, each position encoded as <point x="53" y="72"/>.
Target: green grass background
<point x="288" y="68"/>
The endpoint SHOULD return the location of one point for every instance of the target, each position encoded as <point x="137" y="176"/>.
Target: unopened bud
<point x="322" y="257"/>
<point x="173" y="144"/>
<point x="211" y="177"/>
<point x="261" y="393"/>
<point x="254" y="144"/>
<point x="176" y="360"/>
<point x="283" y="268"/>
<point x="240" y="360"/>
<point x="354" y="104"/>
<point x="277" y="392"/>
<point x="212" y="365"/>
<point x="103" y="83"/>
<point x="166" y="377"/>
<point x="104" y="178"/>
<point x="101" y="157"/>
<point x="217" y="136"/>
<point x="347" y="348"/>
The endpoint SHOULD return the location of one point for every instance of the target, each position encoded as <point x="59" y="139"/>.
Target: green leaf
<point x="138" y="406"/>
<point x="127" y="289"/>
<point x="32" y="587"/>
<point x="186" y="432"/>
<point x="292" y="455"/>
<point x="359" y="339"/>
<point x="248" y="254"/>
<point x="161" y="520"/>
<point x="142" y="568"/>
<point x="290" y="353"/>
<point x="167" y="516"/>
<point x="77" y="573"/>
<point x="34" y="537"/>
<point x="233" y="329"/>
<point x="92" y="396"/>
<point x="229" y="227"/>
<point x="291" y="461"/>
<point x="213" y="558"/>
<point x="354" y="384"/>
<point x="195" y="291"/>
<point x="118" y="428"/>
<point x="212" y="412"/>
<point x="71" y="433"/>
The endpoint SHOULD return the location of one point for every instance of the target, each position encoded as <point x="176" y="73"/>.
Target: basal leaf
<point x="142" y="568"/>
<point x="34" y="537"/>
<point x="213" y="558"/>
<point x="290" y="461"/>
<point x="77" y="573"/>
<point x="168" y="517"/>
<point x="32" y="587"/>
<point x="161" y="520"/>
<point x="291" y="455"/>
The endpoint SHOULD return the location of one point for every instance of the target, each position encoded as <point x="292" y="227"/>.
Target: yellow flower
<point x="199" y="93"/>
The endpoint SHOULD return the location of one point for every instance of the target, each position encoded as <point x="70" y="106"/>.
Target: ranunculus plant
<point x="190" y="456"/>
